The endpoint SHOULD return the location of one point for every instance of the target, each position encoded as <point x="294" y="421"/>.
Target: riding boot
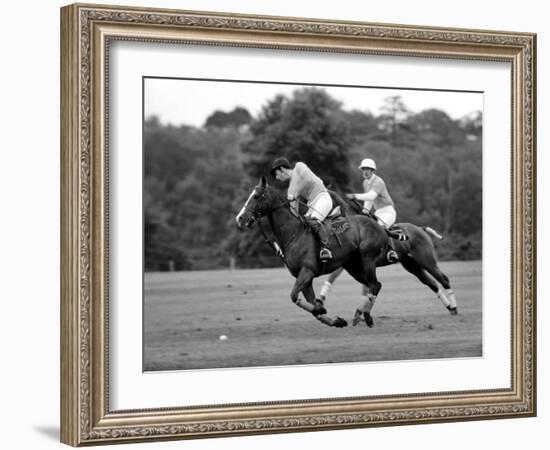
<point x="321" y="232"/>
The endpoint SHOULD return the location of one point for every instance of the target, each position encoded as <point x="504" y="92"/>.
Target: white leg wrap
<point x="443" y="298"/>
<point x="367" y="302"/>
<point x="325" y="290"/>
<point x="452" y="298"/>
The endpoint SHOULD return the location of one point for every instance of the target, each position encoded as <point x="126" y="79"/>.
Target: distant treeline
<point x="197" y="179"/>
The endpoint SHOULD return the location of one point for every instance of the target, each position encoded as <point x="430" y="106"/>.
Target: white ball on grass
<point x="223" y="337"/>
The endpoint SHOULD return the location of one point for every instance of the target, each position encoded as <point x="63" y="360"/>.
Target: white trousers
<point x="386" y="216"/>
<point x="320" y="206"/>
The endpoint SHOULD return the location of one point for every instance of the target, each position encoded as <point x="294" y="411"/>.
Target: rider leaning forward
<point x="376" y="200"/>
<point x="305" y="185"/>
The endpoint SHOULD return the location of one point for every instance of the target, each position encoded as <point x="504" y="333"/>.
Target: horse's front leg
<point x="304" y="284"/>
<point x="318" y="305"/>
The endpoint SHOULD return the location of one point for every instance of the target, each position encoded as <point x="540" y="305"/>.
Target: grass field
<point x="185" y="313"/>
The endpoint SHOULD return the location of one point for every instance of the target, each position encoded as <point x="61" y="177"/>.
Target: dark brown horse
<point x="359" y="247"/>
<point x="416" y="254"/>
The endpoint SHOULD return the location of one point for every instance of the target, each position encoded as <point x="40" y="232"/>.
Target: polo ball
<point x="223" y="337"/>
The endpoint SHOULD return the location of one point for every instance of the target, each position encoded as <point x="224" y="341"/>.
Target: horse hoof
<point x="453" y="310"/>
<point x="369" y="320"/>
<point x="340" y="323"/>
<point x="318" y="309"/>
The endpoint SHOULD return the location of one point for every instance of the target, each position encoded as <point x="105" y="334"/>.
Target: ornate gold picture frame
<point x="87" y="32"/>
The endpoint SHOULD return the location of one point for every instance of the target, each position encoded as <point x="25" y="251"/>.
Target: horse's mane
<point x="348" y="207"/>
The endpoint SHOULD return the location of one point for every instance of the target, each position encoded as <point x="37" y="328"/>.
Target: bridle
<point x="254" y="215"/>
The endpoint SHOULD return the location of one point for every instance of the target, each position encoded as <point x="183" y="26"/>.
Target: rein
<point x="273" y="244"/>
<point x="257" y="215"/>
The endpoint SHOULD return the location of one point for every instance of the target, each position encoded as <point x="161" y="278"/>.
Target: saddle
<point x="336" y="222"/>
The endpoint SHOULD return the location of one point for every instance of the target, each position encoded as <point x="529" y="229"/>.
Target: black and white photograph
<point x="240" y="225"/>
<point x="294" y="224"/>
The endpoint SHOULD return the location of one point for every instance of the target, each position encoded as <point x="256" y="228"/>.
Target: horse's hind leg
<point x="364" y="271"/>
<point x="428" y="262"/>
<point x="413" y="267"/>
<point x="435" y="271"/>
<point x="371" y="289"/>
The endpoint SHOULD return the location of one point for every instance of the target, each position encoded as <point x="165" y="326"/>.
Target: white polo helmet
<point x="367" y="163"/>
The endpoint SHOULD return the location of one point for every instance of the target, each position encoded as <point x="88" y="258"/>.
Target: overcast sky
<point x="190" y="102"/>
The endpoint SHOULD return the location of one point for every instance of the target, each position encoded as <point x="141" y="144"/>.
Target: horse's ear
<point x="263" y="181"/>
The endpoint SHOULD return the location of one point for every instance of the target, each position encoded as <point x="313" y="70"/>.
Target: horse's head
<point x="259" y="203"/>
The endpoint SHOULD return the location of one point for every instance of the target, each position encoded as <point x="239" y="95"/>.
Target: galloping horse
<point x="416" y="255"/>
<point x="361" y="245"/>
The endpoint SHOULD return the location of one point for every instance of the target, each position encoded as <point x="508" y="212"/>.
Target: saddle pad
<point x="339" y="224"/>
<point x="336" y="212"/>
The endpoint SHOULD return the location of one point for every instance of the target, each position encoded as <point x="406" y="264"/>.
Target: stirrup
<point x="392" y="256"/>
<point x="325" y="254"/>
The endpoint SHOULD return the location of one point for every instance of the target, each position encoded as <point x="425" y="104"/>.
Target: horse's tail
<point x="432" y="232"/>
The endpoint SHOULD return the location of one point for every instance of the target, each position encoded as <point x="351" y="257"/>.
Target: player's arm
<point x="294" y="205"/>
<point x="367" y="196"/>
<point x="372" y="193"/>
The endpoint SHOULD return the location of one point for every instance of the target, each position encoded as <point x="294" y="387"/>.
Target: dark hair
<point x="278" y="163"/>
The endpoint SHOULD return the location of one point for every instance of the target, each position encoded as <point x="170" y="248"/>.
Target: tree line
<point x="197" y="178"/>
